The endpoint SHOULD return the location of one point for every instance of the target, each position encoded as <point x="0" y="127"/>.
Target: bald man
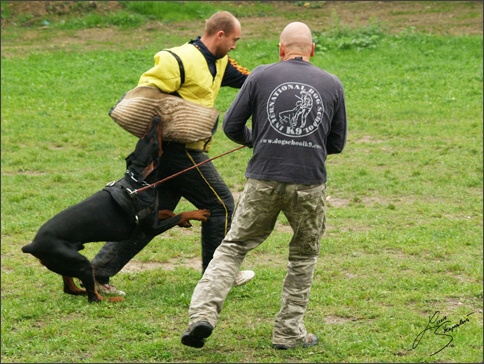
<point x="298" y="118"/>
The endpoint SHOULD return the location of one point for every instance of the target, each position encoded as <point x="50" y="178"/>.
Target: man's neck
<point x="298" y="56"/>
<point x="209" y="44"/>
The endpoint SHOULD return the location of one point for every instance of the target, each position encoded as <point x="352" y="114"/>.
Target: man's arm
<point x="336" y="139"/>
<point x="235" y="75"/>
<point x="235" y="119"/>
<point x="165" y="74"/>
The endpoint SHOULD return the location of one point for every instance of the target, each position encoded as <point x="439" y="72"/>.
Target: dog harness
<point x="137" y="206"/>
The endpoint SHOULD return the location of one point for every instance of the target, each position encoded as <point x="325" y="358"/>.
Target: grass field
<point x="403" y="247"/>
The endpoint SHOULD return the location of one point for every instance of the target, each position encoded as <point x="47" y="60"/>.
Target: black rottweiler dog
<point x="112" y="214"/>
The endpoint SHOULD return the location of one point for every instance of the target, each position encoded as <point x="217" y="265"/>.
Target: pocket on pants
<point x="308" y="219"/>
<point x="260" y="195"/>
<point x="255" y="214"/>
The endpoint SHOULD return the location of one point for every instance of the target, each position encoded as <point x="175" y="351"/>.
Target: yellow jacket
<point x="199" y="85"/>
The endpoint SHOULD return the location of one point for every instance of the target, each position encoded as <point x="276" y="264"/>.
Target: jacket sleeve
<point x="336" y="139"/>
<point x="236" y="117"/>
<point x="235" y="75"/>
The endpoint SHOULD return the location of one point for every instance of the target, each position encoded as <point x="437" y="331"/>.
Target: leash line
<point x="182" y="171"/>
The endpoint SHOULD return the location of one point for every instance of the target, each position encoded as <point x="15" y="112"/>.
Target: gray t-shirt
<point x="298" y="118"/>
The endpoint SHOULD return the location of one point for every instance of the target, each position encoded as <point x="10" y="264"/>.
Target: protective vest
<point x="199" y="86"/>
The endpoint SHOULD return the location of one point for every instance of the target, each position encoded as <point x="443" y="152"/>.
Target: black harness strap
<point x="136" y="208"/>
<point x="180" y="64"/>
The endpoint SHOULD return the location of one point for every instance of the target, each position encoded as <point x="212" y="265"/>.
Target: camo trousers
<point x="254" y="219"/>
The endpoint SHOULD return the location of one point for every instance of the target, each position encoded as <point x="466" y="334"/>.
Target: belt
<point x="200" y="146"/>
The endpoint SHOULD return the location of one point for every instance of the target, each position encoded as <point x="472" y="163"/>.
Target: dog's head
<point x="148" y="151"/>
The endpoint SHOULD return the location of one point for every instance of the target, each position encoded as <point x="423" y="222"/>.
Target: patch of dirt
<point x="135" y="266"/>
<point x="393" y="15"/>
<point x="337" y="320"/>
<point x="397" y="15"/>
<point x="33" y="10"/>
<point x="366" y="201"/>
<point x="432" y="17"/>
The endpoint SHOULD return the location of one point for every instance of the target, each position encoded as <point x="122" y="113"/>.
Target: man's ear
<point x="312" y="50"/>
<point x="281" y="50"/>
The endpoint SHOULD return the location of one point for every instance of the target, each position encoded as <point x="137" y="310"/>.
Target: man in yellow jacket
<point x="194" y="71"/>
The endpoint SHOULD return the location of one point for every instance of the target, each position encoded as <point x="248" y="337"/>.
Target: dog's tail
<point x="27" y="248"/>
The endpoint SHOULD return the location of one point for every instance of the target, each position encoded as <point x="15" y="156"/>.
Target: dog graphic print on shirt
<point x="290" y="105"/>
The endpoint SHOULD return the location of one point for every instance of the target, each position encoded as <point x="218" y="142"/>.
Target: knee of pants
<point x="223" y="207"/>
<point x="304" y="246"/>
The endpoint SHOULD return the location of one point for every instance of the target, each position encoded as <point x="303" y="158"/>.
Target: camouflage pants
<point x="254" y="219"/>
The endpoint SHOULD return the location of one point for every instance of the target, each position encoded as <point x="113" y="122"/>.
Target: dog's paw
<point x="200" y="215"/>
<point x="204" y="214"/>
<point x="185" y="224"/>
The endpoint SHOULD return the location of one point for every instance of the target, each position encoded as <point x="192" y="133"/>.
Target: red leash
<point x="183" y="171"/>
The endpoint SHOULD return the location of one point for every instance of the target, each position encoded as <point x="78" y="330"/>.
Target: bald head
<point x="296" y="40"/>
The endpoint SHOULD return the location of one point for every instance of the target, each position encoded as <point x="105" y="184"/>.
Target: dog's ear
<point x="154" y="137"/>
<point x="144" y="159"/>
<point x="129" y="160"/>
<point x="156" y="131"/>
<point x="147" y="171"/>
<point x="152" y="130"/>
<point x="154" y="134"/>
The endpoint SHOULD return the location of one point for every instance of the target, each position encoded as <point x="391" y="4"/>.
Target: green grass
<point x="404" y="235"/>
<point x="136" y="13"/>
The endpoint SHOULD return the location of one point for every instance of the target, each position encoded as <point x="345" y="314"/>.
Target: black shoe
<point x="196" y="334"/>
<point x="280" y="346"/>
